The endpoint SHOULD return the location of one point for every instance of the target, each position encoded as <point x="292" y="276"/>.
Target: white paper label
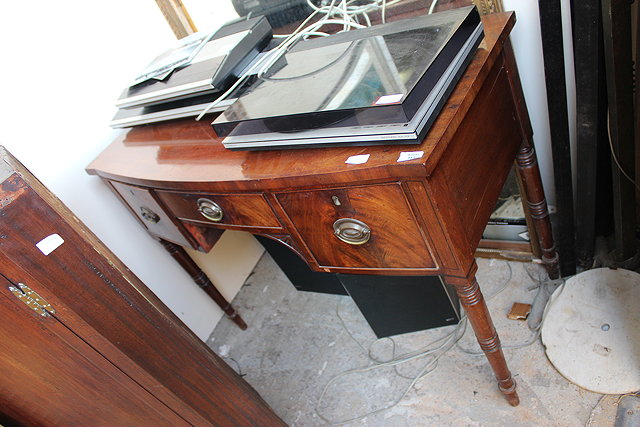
<point x="389" y="99"/>
<point x="524" y="235"/>
<point x="358" y="159"/>
<point x="410" y="155"/>
<point x="49" y="244"/>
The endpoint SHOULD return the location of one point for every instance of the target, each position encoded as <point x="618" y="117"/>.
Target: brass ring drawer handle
<point x="210" y="210"/>
<point x="352" y="231"/>
<point x="149" y="215"/>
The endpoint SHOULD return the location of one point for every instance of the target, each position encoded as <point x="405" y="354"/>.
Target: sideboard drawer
<point x="150" y="213"/>
<point x="249" y="210"/>
<point x="358" y="227"/>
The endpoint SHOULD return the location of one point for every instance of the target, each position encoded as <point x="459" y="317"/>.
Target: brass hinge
<point x="32" y="299"/>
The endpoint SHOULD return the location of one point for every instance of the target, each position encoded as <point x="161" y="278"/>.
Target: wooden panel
<point x="49" y="376"/>
<point x="475" y="191"/>
<point x="104" y="303"/>
<point x="140" y="201"/>
<point x="206" y="237"/>
<point x="240" y="210"/>
<point x="438" y="234"/>
<point x="395" y="243"/>
<point x="177" y="17"/>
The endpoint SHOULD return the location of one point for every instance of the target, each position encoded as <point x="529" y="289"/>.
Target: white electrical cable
<point x="330" y="16"/>
<point x="347" y="14"/>
<point x="285" y="45"/>
<point x="384" y="11"/>
<point x="257" y="66"/>
<point x="429" y="367"/>
<point x="448" y="342"/>
<point x="366" y="18"/>
<point x="233" y="87"/>
<point x="433" y="6"/>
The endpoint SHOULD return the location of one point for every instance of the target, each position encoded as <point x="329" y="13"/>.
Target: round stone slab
<point x="592" y="330"/>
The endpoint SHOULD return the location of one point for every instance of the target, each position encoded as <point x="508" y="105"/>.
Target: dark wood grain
<point x="434" y="228"/>
<point x="474" y="192"/>
<point x="395" y="238"/>
<point x="241" y="210"/>
<point x="106" y="306"/>
<point x="50" y="376"/>
<point x="205" y="237"/>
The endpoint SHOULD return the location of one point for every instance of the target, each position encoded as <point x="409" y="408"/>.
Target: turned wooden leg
<point x="179" y="254"/>
<point x="478" y="315"/>
<point x="534" y="194"/>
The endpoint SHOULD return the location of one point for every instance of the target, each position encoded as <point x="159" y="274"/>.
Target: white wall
<point x="64" y="64"/>
<point x="527" y="47"/>
<point x="210" y="14"/>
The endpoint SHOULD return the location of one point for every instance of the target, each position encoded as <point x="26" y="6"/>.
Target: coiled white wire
<point x="435" y="349"/>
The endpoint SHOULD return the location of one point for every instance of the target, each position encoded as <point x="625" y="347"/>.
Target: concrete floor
<point x="296" y="344"/>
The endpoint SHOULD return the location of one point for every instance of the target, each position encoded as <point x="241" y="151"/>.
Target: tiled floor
<point x="296" y="344"/>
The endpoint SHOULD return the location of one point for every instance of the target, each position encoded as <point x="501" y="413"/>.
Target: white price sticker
<point x="410" y="155"/>
<point x="389" y="99"/>
<point x="49" y="244"/>
<point x="358" y="159"/>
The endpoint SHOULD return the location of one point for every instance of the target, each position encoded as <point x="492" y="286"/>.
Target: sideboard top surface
<point x="185" y="151"/>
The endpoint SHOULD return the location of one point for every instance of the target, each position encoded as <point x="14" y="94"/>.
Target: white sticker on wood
<point x="49" y="244"/>
<point x="358" y="159"/>
<point x="410" y="155"/>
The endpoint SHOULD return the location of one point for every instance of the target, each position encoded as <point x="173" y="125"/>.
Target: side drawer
<point x="249" y="210"/>
<point x="150" y="213"/>
<point x="359" y="227"/>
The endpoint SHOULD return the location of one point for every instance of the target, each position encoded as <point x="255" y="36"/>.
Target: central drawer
<point x="358" y="227"/>
<point x="245" y="210"/>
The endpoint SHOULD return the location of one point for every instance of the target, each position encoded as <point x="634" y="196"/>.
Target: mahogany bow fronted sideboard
<point x="423" y="216"/>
